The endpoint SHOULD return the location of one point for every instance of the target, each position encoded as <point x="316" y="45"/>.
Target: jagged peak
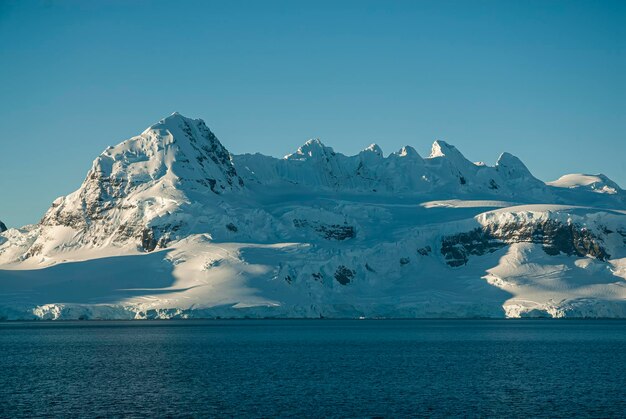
<point x="313" y="143"/>
<point x="406" y="151"/>
<point x="441" y="148"/>
<point x="509" y="160"/>
<point x="312" y="148"/>
<point x="173" y="120"/>
<point x="177" y="116"/>
<point x="190" y="135"/>
<point x="176" y="147"/>
<point x="512" y="167"/>
<point x="373" y="148"/>
<point x="177" y="121"/>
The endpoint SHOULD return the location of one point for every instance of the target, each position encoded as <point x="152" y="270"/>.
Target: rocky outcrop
<point x="457" y="248"/>
<point x="3" y="227"/>
<point x="424" y="251"/>
<point x="209" y="149"/>
<point x="148" y="241"/>
<point x="555" y="237"/>
<point x="327" y="231"/>
<point x="344" y="275"/>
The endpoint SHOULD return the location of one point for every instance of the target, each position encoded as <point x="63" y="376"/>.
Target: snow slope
<point x="594" y="183"/>
<point x="170" y="224"/>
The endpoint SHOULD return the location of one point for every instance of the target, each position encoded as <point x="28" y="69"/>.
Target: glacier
<point x="170" y="224"/>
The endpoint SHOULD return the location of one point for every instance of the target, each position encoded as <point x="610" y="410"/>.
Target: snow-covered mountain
<point x="170" y="224"/>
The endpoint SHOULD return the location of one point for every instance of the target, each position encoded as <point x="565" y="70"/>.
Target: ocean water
<point x="314" y="368"/>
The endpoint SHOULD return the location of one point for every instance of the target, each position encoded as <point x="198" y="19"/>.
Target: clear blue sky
<point x="544" y="80"/>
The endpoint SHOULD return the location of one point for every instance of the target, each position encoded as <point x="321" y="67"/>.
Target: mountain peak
<point x="443" y="149"/>
<point x="313" y="148"/>
<point x="595" y="183"/>
<point x="407" y="151"/>
<point x="170" y="164"/>
<point x="173" y="120"/>
<point x="512" y="168"/>
<point x="188" y="149"/>
<point x="373" y="148"/>
<point x="313" y="142"/>
<point x="508" y="160"/>
<point x="175" y="115"/>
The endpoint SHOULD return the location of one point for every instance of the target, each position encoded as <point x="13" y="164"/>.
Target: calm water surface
<point x="356" y="368"/>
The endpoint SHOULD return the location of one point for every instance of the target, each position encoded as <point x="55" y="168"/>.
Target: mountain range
<point x="170" y="224"/>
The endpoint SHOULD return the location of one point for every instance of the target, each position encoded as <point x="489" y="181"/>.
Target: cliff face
<point x="554" y="237"/>
<point x="170" y="224"/>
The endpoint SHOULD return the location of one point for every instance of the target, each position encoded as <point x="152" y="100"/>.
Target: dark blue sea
<point x="314" y="368"/>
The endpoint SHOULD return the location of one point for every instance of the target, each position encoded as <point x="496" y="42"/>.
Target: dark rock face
<point x="344" y="275"/>
<point x="3" y="227"/>
<point x="327" y="231"/>
<point x="457" y="248"/>
<point x="424" y="251"/>
<point x="151" y="237"/>
<point x="573" y="240"/>
<point x="556" y="238"/>
<point x="231" y="227"/>
<point x="148" y="241"/>
<point x="97" y="195"/>
<point x="34" y="250"/>
<point x="336" y="232"/>
<point x="211" y="149"/>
